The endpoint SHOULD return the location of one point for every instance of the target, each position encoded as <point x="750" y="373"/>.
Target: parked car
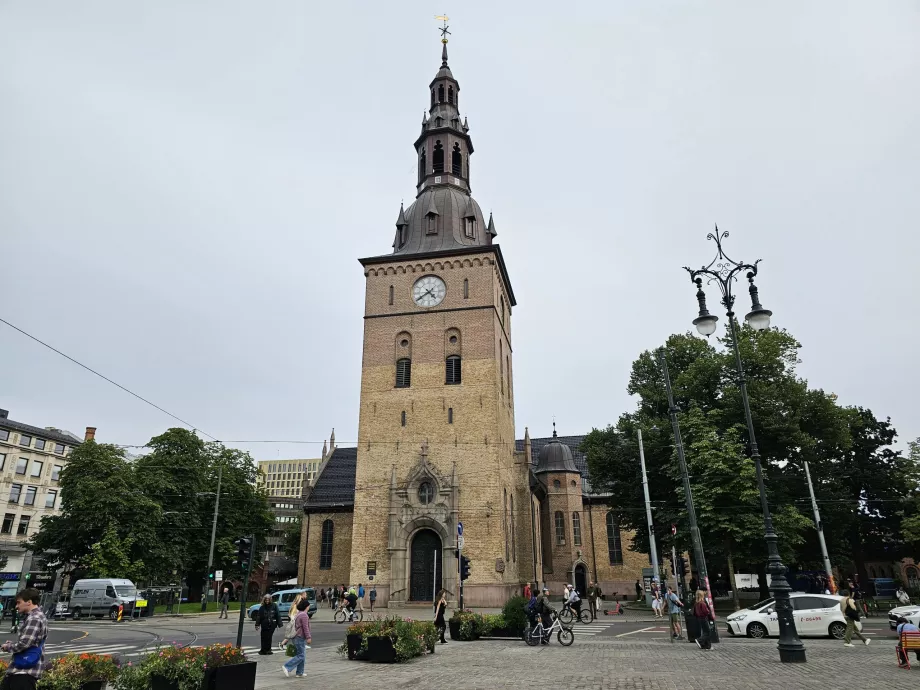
<point x="102" y="597"/>
<point x="284" y="599"/>
<point x="911" y="613"/>
<point x="816" y="615"/>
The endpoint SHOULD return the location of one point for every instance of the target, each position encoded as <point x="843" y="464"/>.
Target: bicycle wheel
<point x="339" y="616"/>
<point x="566" y="616"/>
<point x="565" y="637"/>
<point x="586" y="617"/>
<point x="534" y="635"/>
<point x="360" y="615"/>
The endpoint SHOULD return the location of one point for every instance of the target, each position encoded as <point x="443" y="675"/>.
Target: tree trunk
<point x="731" y="579"/>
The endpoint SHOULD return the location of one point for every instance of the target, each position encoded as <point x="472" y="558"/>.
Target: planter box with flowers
<point x="466" y="626"/>
<point x="216" y="667"/>
<point x="79" y="672"/>
<point x="388" y="640"/>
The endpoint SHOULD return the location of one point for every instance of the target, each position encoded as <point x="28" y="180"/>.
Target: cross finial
<point x="554" y="426"/>
<point x="444" y="27"/>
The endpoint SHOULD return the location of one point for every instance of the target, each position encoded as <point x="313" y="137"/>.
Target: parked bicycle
<point x="534" y="635"/>
<point x="567" y="615"/>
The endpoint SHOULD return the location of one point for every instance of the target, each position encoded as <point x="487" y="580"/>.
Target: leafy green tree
<point x="292" y="539"/>
<point x="111" y="557"/>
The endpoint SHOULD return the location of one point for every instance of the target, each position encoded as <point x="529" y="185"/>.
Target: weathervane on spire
<point x="444" y="29"/>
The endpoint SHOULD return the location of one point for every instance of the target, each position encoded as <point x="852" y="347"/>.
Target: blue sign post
<point x="460" y="559"/>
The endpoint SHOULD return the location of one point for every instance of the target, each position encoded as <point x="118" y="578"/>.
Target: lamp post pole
<point x="695" y="538"/>
<point x="724" y="271"/>
<point x="207" y="575"/>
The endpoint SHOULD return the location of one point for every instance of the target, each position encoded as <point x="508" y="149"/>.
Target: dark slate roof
<point x="335" y="486"/>
<point x="451" y="206"/>
<point x="555" y="456"/>
<point x="37" y="431"/>
<point x="536" y="445"/>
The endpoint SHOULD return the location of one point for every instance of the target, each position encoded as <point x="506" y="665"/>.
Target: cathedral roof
<point x="555" y="456"/>
<point x="335" y="485"/>
<point x="451" y="207"/>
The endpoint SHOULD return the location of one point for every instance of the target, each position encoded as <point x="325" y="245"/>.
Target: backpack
<point x="291" y="631"/>
<point x="531" y="607"/>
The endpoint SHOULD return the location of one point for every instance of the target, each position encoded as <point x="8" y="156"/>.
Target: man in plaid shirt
<point x="33" y="629"/>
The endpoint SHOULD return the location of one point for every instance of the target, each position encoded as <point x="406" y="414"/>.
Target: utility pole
<point x="252" y="551"/>
<point x="648" y="513"/>
<point x="827" y="560"/>
<point x="691" y="510"/>
<point x="207" y="575"/>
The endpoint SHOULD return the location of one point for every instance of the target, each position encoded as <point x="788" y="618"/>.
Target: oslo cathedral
<point x="436" y="445"/>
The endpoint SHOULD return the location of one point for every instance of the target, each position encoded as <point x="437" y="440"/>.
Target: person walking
<point x="224" y="603"/>
<point x="267" y="619"/>
<point x="439" y="621"/>
<point x="292" y="614"/>
<point x="373" y="597"/>
<point x="638" y="591"/>
<point x="527" y="591"/>
<point x="851" y="611"/>
<point x="360" y="597"/>
<point x="704" y="618"/>
<point x="592" y="599"/>
<point x="656" y="603"/>
<point x="300" y="638"/>
<point x="28" y="651"/>
<point x="333" y="597"/>
<point x="674" y="606"/>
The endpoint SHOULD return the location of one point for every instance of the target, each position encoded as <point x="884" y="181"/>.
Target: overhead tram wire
<point x="106" y="378"/>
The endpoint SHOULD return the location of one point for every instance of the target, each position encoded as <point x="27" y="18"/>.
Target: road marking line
<point x="634" y="632"/>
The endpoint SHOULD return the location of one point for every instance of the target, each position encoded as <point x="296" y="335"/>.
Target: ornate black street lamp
<point x="724" y="272"/>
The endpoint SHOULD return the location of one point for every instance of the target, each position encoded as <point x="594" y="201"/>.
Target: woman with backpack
<point x="298" y="632"/>
<point x="851" y="611"/>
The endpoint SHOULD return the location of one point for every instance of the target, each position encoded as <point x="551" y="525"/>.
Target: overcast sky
<point x="186" y="187"/>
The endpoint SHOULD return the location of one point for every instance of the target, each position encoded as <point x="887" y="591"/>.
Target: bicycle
<point x="342" y="615"/>
<point x="567" y="615"/>
<point x="533" y="636"/>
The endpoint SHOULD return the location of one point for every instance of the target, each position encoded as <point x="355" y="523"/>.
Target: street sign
<point x="218" y="574"/>
<point x="140" y="603"/>
<point x="460" y="542"/>
<point x="459" y="529"/>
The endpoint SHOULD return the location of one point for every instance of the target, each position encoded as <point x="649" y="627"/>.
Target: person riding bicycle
<point x="547" y="613"/>
<point x="351" y="601"/>
<point x="574" y="602"/>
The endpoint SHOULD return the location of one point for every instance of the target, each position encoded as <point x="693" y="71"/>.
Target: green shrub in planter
<point x="513" y="611"/>
<point x="470" y="624"/>
<point x="408" y="638"/>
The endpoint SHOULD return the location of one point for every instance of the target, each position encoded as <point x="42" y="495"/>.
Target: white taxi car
<point x="911" y="613"/>
<point x="814" y="615"/>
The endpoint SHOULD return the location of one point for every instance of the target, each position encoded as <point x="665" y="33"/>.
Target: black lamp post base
<point x="792" y="654"/>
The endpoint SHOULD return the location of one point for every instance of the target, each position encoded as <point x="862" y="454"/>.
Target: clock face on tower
<point x="429" y="291"/>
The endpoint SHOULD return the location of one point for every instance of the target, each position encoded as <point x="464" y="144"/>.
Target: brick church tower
<point x="436" y="424"/>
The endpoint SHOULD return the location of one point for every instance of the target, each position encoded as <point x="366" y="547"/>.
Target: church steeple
<point x="444" y="216"/>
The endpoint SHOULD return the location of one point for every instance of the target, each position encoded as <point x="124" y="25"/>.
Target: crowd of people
<point x="333" y="596"/>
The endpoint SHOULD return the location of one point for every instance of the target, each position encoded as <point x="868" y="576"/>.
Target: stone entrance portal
<point x="425" y="569"/>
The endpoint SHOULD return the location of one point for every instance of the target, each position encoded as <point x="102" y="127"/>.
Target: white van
<point x="102" y="598"/>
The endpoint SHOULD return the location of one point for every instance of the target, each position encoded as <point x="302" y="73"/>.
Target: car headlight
<point x="739" y="617"/>
<point x="910" y="613"/>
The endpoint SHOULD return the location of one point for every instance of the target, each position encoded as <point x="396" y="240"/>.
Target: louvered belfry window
<point x="403" y="372"/>
<point x="452" y="370"/>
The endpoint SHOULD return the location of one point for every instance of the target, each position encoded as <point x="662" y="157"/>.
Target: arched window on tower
<point x="466" y="288"/>
<point x="452" y="370"/>
<point x="403" y="372"/>
<point x="450" y="94"/>
<point x="614" y="545"/>
<point x="432" y="98"/>
<point x="440" y="93"/>
<point x="422" y="165"/>
<point x="438" y="158"/>
<point x="432" y="224"/>
<point x="576" y="529"/>
<point x="513" y="552"/>
<point x="560" y="528"/>
<point x="456" y="160"/>
<point x="325" y="548"/>
<point x="467" y="169"/>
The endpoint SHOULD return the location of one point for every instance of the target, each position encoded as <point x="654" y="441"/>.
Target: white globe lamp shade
<point x="706" y="325"/>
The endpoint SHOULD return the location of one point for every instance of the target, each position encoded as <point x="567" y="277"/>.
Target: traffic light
<point x="464" y="568"/>
<point x="243" y="551"/>
<point x="210" y="576"/>
<point x="682" y="566"/>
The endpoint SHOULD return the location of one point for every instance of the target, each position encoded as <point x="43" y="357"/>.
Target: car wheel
<point x="77" y="613"/>
<point x="837" y="630"/>
<point x="757" y="630"/>
<point x="113" y="615"/>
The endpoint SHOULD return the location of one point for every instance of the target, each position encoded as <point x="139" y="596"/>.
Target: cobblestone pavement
<point x="610" y="663"/>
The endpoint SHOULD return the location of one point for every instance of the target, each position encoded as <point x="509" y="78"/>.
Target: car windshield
<point x="311" y="594"/>
<point x="762" y="604"/>
<point x="123" y="591"/>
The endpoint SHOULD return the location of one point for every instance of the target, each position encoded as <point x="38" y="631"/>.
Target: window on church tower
<point x="391" y="294"/>
<point x="614" y="545"/>
<point x="450" y="94"/>
<point x="325" y="549"/>
<point x="422" y="164"/>
<point x="450" y="415"/>
<point x="432" y="98"/>
<point x="452" y="370"/>
<point x="513" y="552"/>
<point x="560" y="528"/>
<point x="403" y="418"/>
<point x="432" y="224"/>
<point x="456" y="161"/>
<point x="576" y="529"/>
<point x="505" y="523"/>
<point x="466" y="288"/>
<point x="438" y="157"/>
<point x="469" y="227"/>
<point x="440" y="93"/>
<point x="403" y="372"/>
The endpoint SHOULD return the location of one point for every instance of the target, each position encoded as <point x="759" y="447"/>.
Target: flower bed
<point x="388" y="640"/>
<point x="466" y="626"/>
<point x="217" y="667"/>
<point x="76" y="671"/>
